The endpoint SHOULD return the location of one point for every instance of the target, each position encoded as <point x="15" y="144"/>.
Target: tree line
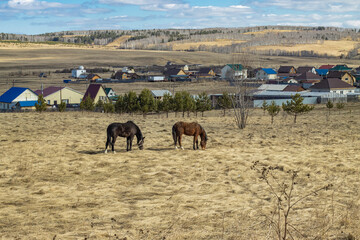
<point x="181" y="103"/>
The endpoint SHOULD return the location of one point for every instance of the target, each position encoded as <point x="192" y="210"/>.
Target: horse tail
<point x="108" y="139"/>
<point x="174" y="134"/>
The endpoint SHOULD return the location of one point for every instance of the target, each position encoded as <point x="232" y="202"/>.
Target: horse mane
<point x="138" y="134"/>
<point x="203" y="132"/>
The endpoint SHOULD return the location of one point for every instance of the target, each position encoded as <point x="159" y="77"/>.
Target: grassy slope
<point x="55" y="179"/>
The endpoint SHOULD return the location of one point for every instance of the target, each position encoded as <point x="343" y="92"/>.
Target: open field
<point x="182" y="46"/>
<point x="56" y="182"/>
<point x="332" y="48"/>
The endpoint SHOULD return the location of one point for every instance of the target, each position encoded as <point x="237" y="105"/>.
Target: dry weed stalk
<point x="286" y="200"/>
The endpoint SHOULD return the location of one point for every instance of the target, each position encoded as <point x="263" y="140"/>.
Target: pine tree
<point x="131" y="102"/>
<point x="203" y="103"/>
<point x="296" y="106"/>
<point x="225" y="102"/>
<point x="167" y="104"/>
<point x="273" y="110"/>
<point x="87" y="104"/>
<point x="62" y="107"/>
<point x="146" y="101"/>
<point x="41" y="105"/>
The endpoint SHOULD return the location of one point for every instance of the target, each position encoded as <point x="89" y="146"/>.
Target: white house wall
<point x="27" y="95"/>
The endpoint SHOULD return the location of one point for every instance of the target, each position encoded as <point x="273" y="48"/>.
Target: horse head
<point x="203" y="139"/>
<point x="140" y="143"/>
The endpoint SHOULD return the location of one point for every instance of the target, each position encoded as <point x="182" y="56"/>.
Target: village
<point x="316" y="85"/>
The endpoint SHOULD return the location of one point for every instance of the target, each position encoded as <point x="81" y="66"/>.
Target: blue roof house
<point x="23" y="96"/>
<point x="266" y="74"/>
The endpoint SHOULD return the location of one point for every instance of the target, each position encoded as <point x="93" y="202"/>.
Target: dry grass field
<point x="183" y="46"/>
<point x="331" y="48"/>
<point x="56" y="182"/>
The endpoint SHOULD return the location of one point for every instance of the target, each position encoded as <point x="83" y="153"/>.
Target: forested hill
<point x="268" y="40"/>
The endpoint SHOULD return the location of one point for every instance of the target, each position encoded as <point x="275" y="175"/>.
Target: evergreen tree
<point x="131" y="102"/>
<point x="41" y="105"/>
<point x="329" y="106"/>
<point x="178" y="103"/>
<point x="189" y="103"/>
<point x="264" y="106"/>
<point x="62" y="107"/>
<point x="203" y="103"/>
<point x="146" y="101"/>
<point x="120" y="106"/>
<point x="296" y="106"/>
<point x="87" y="104"/>
<point x="225" y="102"/>
<point x="109" y="107"/>
<point x="167" y="104"/>
<point x="273" y="110"/>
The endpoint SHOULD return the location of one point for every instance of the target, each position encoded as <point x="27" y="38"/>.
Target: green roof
<point x="236" y="67"/>
<point x="341" y="68"/>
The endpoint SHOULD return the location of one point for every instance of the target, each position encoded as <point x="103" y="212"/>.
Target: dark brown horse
<point x="128" y="130"/>
<point x="190" y="129"/>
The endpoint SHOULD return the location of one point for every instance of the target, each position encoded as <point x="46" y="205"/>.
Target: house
<point x="272" y="87"/>
<point x="156" y="78"/>
<point x="205" y="73"/>
<point x="327" y="67"/>
<point x="96" y="92"/>
<point x="233" y="71"/>
<point x="344" y="76"/>
<point x="266" y="74"/>
<point x="125" y="75"/>
<point x="333" y="85"/>
<point x="304" y="69"/>
<point x="175" y="74"/>
<point x="287" y="70"/>
<point x="308" y="77"/>
<point x="55" y="95"/>
<point x="23" y="96"/>
<point x="293" y="88"/>
<point x="159" y="94"/>
<point x="110" y="92"/>
<point x="92" y="77"/>
<point x="341" y="68"/>
<point x="128" y="70"/>
<point x="77" y="72"/>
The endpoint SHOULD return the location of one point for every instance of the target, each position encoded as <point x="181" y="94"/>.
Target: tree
<point x="296" y="106"/>
<point x="167" y="104"/>
<point x="62" y="107"/>
<point x="109" y="107"/>
<point x="241" y="103"/>
<point x="131" y="102"/>
<point x="99" y="105"/>
<point x="178" y="103"/>
<point x="41" y="105"/>
<point x="340" y="106"/>
<point x="189" y="103"/>
<point x="203" y="103"/>
<point x="264" y="106"/>
<point x="120" y="106"/>
<point x="87" y="104"/>
<point x="146" y="101"/>
<point x="329" y="106"/>
<point x="273" y="110"/>
<point x="225" y="102"/>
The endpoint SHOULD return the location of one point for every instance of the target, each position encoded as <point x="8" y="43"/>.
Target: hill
<point x="265" y="40"/>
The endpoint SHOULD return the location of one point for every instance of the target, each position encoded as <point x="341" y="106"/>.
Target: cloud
<point x="34" y="4"/>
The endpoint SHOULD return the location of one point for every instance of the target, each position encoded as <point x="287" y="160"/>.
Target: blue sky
<point x="41" y="16"/>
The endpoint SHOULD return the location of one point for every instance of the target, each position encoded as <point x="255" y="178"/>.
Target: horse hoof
<point x="105" y="152"/>
<point x="182" y="148"/>
<point x="176" y="148"/>
<point x="114" y="152"/>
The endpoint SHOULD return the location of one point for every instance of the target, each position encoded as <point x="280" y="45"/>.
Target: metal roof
<point x="160" y="93"/>
<point x="11" y="94"/>
<point x="272" y="87"/>
<point x="290" y="94"/>
<point x="269" y="70"/>
<point x="27" y="103"/>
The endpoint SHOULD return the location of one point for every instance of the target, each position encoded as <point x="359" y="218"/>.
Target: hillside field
<point x="57" y="183"/>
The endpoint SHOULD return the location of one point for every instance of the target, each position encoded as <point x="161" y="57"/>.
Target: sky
<point x="43" y="16"/>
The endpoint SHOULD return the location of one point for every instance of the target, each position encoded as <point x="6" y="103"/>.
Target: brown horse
<point x="190" y="129"/>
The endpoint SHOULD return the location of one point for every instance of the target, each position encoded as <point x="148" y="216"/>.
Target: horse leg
<point x="197" y="142"/>
<point x="127" y="143"/>
<point x="194" y="142"/>
<point x="113" y="144"/>
<point x="131" y="140"/>
<point x="107" y="143"/>
<point x="174" y="136"/>
<point x="180" y="142"/>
